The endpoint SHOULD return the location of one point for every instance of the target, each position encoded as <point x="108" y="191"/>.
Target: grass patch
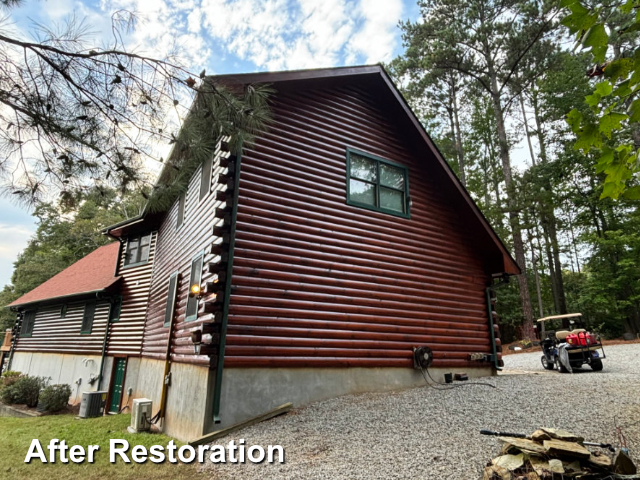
<point x="16" y="435"/>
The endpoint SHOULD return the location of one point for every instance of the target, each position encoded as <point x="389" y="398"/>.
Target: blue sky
<point x="224" y="36"/>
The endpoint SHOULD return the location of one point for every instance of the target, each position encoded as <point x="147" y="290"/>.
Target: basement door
<point x="118" y="383"/>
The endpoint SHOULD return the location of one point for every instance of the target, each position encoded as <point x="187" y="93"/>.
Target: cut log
<point x="560" y="434"/>
<point x="523" y="444"/>
<point x="569" y="449"/>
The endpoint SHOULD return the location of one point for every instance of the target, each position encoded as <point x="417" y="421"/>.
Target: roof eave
<point x="64" y="297"/>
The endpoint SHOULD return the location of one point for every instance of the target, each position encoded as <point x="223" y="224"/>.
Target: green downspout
<point x="105" y="340"/>
<point x="227" y="290"/>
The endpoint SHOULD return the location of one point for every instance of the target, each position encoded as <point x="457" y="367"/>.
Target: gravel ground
<point x="432" y="434"/>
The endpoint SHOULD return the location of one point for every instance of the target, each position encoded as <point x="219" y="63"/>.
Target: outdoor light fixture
<point x="196" y="338"/>
<point x="195" y="290"/>
<point x="204" y="339"/>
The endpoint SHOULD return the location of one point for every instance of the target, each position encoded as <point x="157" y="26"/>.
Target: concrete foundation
<point x="189" y="400"/>
<point x="247" y="392"/>
<point x="74" y="370"/>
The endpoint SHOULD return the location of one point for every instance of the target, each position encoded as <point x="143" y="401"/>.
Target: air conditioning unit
<point x="92" y="404"/>
<point x="140" y="415"/>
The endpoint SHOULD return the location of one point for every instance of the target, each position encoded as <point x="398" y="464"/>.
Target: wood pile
<point x="549" y="454"/>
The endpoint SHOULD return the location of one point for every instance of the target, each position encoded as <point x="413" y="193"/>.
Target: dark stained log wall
<point x="317" y="282"/>
<point x="53" y="334"/>
<point x="176" y="247"/>
<point x="125" y="337"/>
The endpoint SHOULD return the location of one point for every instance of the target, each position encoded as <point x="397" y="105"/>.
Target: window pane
<point x="181" y="205"/>
<point x="132" y="251"/>
<point x="391" y="200"/>
<point x="362" y="192"/>
<point x="171" y="300"/>
<point x="205" y="179"/>
<point x="363" y="168"/>
<point x="87" y="318"/>
<point x="144" y="253"/>
<point x="114" y="312"/>
<point x="146" y="240"/>
<point x="391" y="176"/>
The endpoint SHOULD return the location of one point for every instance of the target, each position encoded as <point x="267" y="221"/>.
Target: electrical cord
<point x="447" y="386"/>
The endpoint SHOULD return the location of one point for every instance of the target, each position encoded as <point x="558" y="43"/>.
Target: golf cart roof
<point x="554" y="317"/>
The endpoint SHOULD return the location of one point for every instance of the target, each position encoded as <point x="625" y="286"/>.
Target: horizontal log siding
<point x="125" y="337"/>
<point x="175" y="250"/>
<point x="52" y="334"/>
<point x="317" y="282"/>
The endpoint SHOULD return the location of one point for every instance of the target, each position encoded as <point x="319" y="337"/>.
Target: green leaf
<point x="574" y="118"/>
<point x="618" y="69"/>
<point x="627" y="7"/>
<point x="634" y="111"/>
<point x="604" y="88"/>
<point x="611" y="190"/>
<point x="610" y="122"/>
<point x="580" y="18"/>
<point x="597" y="38"/>
<point x="632" y="193"/>
<point x="588" y="137"/>
<point x="622" y="90"/>
<point x="593" y="100"/>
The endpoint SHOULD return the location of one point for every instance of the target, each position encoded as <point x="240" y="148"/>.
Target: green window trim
<point x="87" y="317"/>
<point x="28" y="322"/>
<point x="115" y="309"/>
<point x="171" y="299"/>
<point x="191" y="312"/>
<point x="63" y="310"/>
<point x="205" y="179"/>
<point x="138" y="250"/>
<point x="182" y="202"/>
<point x="378" y="185"/>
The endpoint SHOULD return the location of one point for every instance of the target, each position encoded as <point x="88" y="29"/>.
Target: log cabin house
<point x="323" y="255"/>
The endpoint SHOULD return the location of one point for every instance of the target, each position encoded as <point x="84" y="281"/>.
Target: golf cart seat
<point x="578" y="330"/>
<point x="561" y="335"/>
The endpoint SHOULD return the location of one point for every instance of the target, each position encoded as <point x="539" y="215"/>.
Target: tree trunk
<point x="549" y="214"/>
<point x="526" y="129"/>
<point x="458" y="137"/>
<point x="514" y="220"/>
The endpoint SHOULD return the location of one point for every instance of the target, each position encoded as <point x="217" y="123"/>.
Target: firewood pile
<point x="549" y="454"/>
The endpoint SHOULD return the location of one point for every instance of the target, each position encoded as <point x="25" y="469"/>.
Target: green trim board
<point x="217" y="393"/>
<point x="191" y="312"/>
<point x="383" y="185"/>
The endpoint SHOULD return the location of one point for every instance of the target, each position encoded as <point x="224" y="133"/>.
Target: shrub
<point x="55" y="397"/>
<point x="9" y="378"/>
<point x="25" y="390"/>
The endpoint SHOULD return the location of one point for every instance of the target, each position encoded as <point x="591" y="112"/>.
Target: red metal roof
<point x="93" y="273"/>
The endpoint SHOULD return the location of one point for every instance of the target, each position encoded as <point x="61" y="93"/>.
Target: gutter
<point x="488" y="290"/>
<point x="227" y="290"/>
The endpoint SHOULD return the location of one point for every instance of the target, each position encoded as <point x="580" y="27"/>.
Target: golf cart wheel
<point x="546" y="363"/>
<point x="596" y="365"/>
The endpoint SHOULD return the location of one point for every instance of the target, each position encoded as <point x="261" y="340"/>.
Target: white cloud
<point x="288" y="34"/>
<point x="377" y="38"/>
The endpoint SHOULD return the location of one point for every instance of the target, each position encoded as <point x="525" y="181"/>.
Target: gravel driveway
<point x="431" y="434"/>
